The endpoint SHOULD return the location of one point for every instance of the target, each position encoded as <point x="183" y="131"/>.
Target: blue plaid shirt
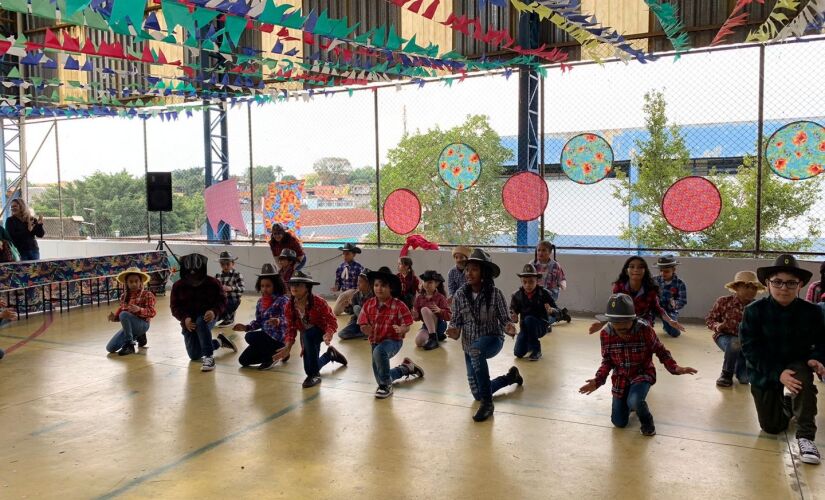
<point x="673" y="294"/>
<point x="455" y="280"/>
<point x="346" y="276"/>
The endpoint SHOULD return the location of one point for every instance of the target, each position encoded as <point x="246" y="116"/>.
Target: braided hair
<point x="647" y="279"/>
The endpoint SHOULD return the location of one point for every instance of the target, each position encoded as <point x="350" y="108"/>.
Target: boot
<point x="514" y="377"/>
<point x="485" y="410"/>
<point x="725" y="379"/>
<point x="432" y="343"/>
<point x="565" y="316"/>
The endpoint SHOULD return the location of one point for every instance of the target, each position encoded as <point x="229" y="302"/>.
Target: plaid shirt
<point x="551" y="274"/>
<point x="383" y="317"/>
<point x="438" y="300"/>
<point x="631" y="359"/>
<point x="144" y="299"/>
<point x="233" y="279"/>
<point x="262" y="316"/>
<point x="476" y="320"/>
<point x="409" y="284"/>
<point x="814" y="293"/>
<point x="673" y="294"/>
<point x="320" y="315"/>
<point x="346" y="276"/>
<point x="725" y="315"/>
<point x="646" y="303"/>
<point x="455" y="280"/>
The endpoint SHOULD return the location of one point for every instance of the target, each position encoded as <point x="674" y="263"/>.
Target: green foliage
<point x="363" y="175"/>
<point x="332" y="171"/>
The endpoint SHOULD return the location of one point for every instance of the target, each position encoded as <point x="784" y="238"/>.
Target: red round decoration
<point x="525" y="196"/>
<point x="692" y="204"/>
<point x="402" y="211"/>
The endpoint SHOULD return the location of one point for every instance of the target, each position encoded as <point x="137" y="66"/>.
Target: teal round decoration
<point x="587" y="159"/>
<point x="459" y="166"/>
<point x="797" y="150"/>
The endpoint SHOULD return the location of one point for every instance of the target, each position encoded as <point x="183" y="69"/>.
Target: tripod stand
<point x="162" y="245"/>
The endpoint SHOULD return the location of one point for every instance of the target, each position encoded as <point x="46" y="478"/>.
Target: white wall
<point x="589" y="276"/>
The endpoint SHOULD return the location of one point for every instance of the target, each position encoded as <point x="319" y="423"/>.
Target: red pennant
<point x="89" y="47"/>
<point x="430" y="12"/>
<point x="415" y="6"/>
<point x="52" y="41"/>
<point x="283" y="32"/>
<point x="161" y="57"/>
<point x="71" y="44"/>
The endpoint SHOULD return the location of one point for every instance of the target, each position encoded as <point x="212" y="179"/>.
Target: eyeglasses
<point x="790" y="285"/>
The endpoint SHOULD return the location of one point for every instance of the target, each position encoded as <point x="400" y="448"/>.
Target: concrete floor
<point x="80" y="424"/>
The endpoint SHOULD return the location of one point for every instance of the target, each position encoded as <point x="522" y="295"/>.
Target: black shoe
<point x="141" y="340"/>
<point x="514" y="377"/>
<point x="335" y="356"/>
<point x="432" y="343"/>
<point x="787" y="406"/>
<point x="725" y="380"/>
<point x="266" y="365"/>
<point x="484" y="412"/>
<point x="127" y="349"/>
<point x="311" y="381"/>
<point x="535" y="356"/>
<point x="565" y="316"/>
<point x="549" y="328"/>
<point x="442" y="337"/>
<point x="648" y="429"/>
<point x="225" y="342"/>
<point x="383" y="391"/>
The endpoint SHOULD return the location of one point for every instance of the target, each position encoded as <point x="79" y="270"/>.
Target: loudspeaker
<point x="159" y="191"/>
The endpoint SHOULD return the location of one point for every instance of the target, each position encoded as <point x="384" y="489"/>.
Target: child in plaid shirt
<point x="265" y="334"/>
<point x="233" y="286"/>
<point x="672" y="291"/>
<point x="346" y="278"/>
<point x="137" y="308"/>
<point x="6" y="316"/>
<point x="628" y="346"/>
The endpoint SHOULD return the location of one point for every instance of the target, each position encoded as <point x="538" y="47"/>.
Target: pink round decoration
<point x="692" y="204"/>
<point x="402" y="211"/>
<point x="525" y="196"/>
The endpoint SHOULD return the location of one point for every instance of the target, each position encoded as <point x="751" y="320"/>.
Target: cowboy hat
<point x="193" y="264"/>
<point x="783" y="264"/>
<point x="619" y="307"/>
<point x="666" y="261"/>
<point x="121" y="277"/>
<point x="745" y="278"/>
<point x="431" y="276"/>
<point x="268" y="270"/>
<point x="277" y="228"/>
<point x="463" y="250"/>
<point x="290" y="254"/>
<point x="484" y="260"/>
<point x="226" y="256"/>
<point x="384" y="274"/>
<point x="529" y="271"/>
<point x="349" y="247"/>
<point x="302" y="277"/>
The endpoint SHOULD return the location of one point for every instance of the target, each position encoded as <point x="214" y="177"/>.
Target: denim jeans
<point x="131" y="327"/>
<point x="478" y="373"/>
<point x="301" y="263"/>
<point x="200" y="343"/>
<point x="673" y="332"/>
<point x="353" y="329"/>
<point x="734" y="359"/>
<point x="312" y="340"/>
<point x="260" y="348"/>
<point x="555" y="294"/>
<point x="634" y="399"/>
<point x="381" y="355"/>
<point x="231" y="307"/>
<point x="33" y="254"/>
<point x="531" y="329"/>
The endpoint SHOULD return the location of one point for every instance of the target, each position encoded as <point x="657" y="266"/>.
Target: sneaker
<point x="225" y="322"/>
<point x="807" y="451"/>
<point x="724" y="380"/>
<point x="514" y="376"/>
<point x="266" y="365"/>
<point x="127" y="349"/>
<point x="432" y="343"/>
<point x="141" y="340"/>
<point x="535" y="356"/>
<point x="311" y="381"/>
<point x="208" y="364"/>
<point x="412" y="368"/>
<point x="383" y="391"/>
<point x="335" y="356"/>
<point x="225" y="342"/>
<point x="485" y="411"/>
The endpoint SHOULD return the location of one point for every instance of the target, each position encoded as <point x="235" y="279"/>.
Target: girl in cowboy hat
<point x="286" y="264"/>
<point x="628" y="346"/>
<point x="431" y="308"/>
<point x="535" y="307"/>
<point x="309" y="316"/>
<point x="455" y="278"/>
<point x="346" y="278"/>
<point x="723" y="320"/>
<point x="233" y="286"/>
<point x="265" y="334"/>
<point x="672" y="291"/>
<point x="137" y="308"/>
<point x="280" y="239"/>
<point x="480" y="318"/>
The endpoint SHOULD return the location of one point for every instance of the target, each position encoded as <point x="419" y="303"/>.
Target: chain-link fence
<point x="372" y="165"/>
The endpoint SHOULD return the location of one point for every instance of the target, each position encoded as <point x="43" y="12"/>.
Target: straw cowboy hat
<point x="484" y="260"/>
<point x="619" y="307"/>
<point x="384" y="274"/>
<point x="121" y="277"/>
<point x="667" y="261"/>
<point x="431" y="276"/>
<point x="289" y="254"/>
<point x="783" y="264"/>
<point x="302" y="277"/>
<point x="529" y="271"/>
<point x="268" y="270"/>
<point x="745" y="278"/>
<point x="463" y="250"/>
<point x="224" y="256"/>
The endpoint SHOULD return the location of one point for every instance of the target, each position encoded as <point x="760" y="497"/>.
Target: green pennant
<point x="121" y="28"/>
<point x="173" y="40"/>
<point x="44" y="8"/>
<point x="235" y="26"/>
<point x="226" y="47"/>
<point x="177" y="14"/>
<point x="14" y="73"/>
<point x="365" y="38"/>
<point x="204" y="16"/>
<point x="413" y="47"/>
<point x="378" y="40"/>
<point x="190" y="41"/>
<point x="95" y="20"/>
<point x="15" y="5"/>
<point x="323" y="26"/>
<point x="272" y="13"/>
<point x="294" y="20"/>
<point x="127" y="11"/>
<point x="342" y="28"/>
<point x="393" y="40"/>
<point x="73" y="7"/>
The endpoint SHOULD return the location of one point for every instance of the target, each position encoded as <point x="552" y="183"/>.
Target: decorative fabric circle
<point x="587" y="159"/>
<point x="692" y="204"/>
<point x="797" y="150"/>
<point x="459" y="166"/>
<point x="402" y="211"/>
<point x="525" y="196"/>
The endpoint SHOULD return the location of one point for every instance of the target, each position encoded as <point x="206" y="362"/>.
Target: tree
<point x="472" y="216"/>
<point x="332" y="171"/>
<point x="663" y="159"/>
<point x="363" y="175"/>
<point x="289" y="177"/>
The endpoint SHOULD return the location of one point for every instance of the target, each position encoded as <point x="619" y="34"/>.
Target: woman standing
<point x="23" y="228"/>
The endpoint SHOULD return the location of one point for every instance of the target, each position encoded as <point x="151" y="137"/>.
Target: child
<point x="281" y="239"/>
<point x="386" y="320"/>
<point x="409" y="281"/>
<point x="628" y="346"/>
<point x="197" y="300"/>
<point x="364" y="293"/>
<point x="310" y="316"/>
<point x="233" y="285"/>
<point x="480" y="318"/>
<point x="432" y="309"/>
<point x="346" y="278"/>
<point x="635" y="281"/>
<point x="535" y="306"/>
<point x="286" y="264"/>
<point x="455" y="278"/>
<point x="816" y="294"/>
<point x="672" y="291"/>
<point x="723" y="320"/>
<point x="265" y="334"/>
<point x="137" y="308"/>
<point x="6" y="316"/>
<point x="552" y="274"/>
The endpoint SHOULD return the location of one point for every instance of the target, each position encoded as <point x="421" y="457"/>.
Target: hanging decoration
<point x="692" y="204"/>
<point x="402" y="211"/>
<point x="223" y="205"/>
<point x="808" y="18"/>
<point x="674" y="29"/>
<point x="738" y="17"/>
<point x="770" y="28"/>
<point x="525" y="196"/>
<point x="282" y="204"/>
<point x="587" y="158"/>
<point x="459" y="166"/>
<point x="797" y="150"/>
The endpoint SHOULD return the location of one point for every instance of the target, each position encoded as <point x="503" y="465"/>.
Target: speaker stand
<point x="162" y="245"/>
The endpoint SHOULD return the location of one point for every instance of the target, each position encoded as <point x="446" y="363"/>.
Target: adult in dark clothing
<point x="281" y="239"/>
<point x="23" y="228"/>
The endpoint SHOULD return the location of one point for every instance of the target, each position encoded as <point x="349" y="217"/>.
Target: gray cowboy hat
<point x="529" y="271"/>
<point x="783" y="264"/>
<point x="619" y="307"/>
<point x="484" y="259"/>
<point x="288" y="253"/>
<point x="268" y="270"/>
<point x="302" y="277"/>
<point x="667" y="261"/>
<point x="226" y="256"/>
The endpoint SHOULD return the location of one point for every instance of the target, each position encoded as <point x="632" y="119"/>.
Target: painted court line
<point x="47" y="322"/>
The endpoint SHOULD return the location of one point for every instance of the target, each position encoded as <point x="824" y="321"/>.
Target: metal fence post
<point x="251" y="171"/>
<point x="542" y="170"/>
<point x="377" y="169"/>
<point x="760" y="139"/>
<point x="145" y="176"/>
<point x="59" y="181"/>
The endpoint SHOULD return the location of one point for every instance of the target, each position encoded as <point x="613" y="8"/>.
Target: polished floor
<point x="78" y="423"/>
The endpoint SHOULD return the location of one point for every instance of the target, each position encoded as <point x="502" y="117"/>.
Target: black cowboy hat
<point x="619" y="307"/>
<point x="277" y="228"/>
<point x="193" y="264"/>
<point x="290" y="254"/>
<point x="349" y="247"/>
<point x="301" y="277"/>
<point x="384" y="274"/>
<point x="431" y="276"/>
<point x="783" y="264"/>
<point x="268" y="270"/>
<point x="667" y="261"/>
<point x="529" y="271"/>
<point x="226" y="256"/>
<point x="484" y="259"/>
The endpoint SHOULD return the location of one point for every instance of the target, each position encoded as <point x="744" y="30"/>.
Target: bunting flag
<point x="738" y="17"/>
<point x="770" y="28"/>
<point x="809" y="18"/>
<point x="671" y="25"/>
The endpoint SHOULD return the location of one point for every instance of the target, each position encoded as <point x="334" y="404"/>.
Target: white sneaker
<point x="208" y="364"/>
<point x="807" y="451"/>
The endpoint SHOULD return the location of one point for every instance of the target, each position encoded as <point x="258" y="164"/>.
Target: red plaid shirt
<point x="320" y="315"/>
<point x="383" y="317"/>
<point x="631" y="359"/>
<point x="725" y="316"/>
<point x="438" y="300"/>
<point x="646" y="302"/>
<point x="144" y="299"/>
